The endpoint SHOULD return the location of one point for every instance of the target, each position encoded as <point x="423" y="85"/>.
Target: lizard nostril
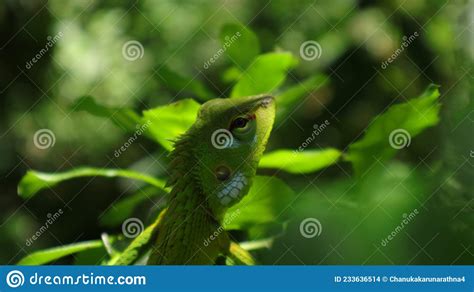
<point x="266" y="101"/>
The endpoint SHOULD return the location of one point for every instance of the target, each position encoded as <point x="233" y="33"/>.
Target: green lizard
<point x="211" y="169"/>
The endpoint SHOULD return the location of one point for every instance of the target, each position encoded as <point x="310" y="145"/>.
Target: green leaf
<point x="239" y="256"/>
<point x="257" y="244"/>
<point x="369" y="208"/>
<point x="230" y="75"/>
<point x="294" y="161"/>
<point x="240" y="44"/>
<point x="265" y="74"/>
<point x="123" y="209"/>
<point x="180" y="83"/>
<point x="125" y="118"/>
<point x="170" y="121"/>
<point x="287" y="100"/>
<point x="48" y="255"/>
<point x="267" y="230"/>
<point x="35" y="181"/>
<point x="398" y="125"/>
<point x="137" y="247"/>
<point x="266" y="202"/>
<point x="90" y="257"/>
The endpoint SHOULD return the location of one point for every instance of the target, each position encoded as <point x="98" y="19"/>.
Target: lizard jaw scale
<point x="232" y="189"/>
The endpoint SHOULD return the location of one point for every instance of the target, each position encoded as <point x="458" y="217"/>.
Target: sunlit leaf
<point x="51" y="254"/>
<point x="257" y="244"/>
<point x="125" y="118"/>
<point x="239" y="256"/>
<point x="35" y="181"/>
<point x="137" y="247"/>
<point x="240" y="44"/>
<point x="170" y="121"/>
<point x="305" y="161"/>
<point x="394" y="129"/>
<point x="232" y="74"/>
<point x="267" y="230"/>
<point x="267" y="201"/>
<point x="265" y="74"/>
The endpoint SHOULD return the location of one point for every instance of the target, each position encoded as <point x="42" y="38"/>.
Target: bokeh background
<point x="434" y="175"/>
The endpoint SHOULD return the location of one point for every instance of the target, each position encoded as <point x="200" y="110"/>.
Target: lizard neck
<point x="187" y="230"/>
<point x="187" y="192"/>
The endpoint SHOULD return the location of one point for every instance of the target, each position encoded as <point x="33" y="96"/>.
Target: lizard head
<point x="230" y="136"/>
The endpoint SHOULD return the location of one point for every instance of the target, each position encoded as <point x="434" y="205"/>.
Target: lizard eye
<point x="222" y="173"/>
<point x="240" y="125"/>
<point x="239" y="122"/>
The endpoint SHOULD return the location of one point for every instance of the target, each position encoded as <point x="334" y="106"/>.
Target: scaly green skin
<point x="206" y="179"/>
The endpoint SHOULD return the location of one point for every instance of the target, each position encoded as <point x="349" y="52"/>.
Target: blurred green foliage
<point x="85" y="73"/>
